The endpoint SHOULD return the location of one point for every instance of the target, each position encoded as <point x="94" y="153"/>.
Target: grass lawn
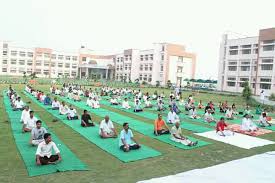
<point x="106" y="168"/>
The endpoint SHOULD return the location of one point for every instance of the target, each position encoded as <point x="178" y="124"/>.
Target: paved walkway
<point x="267" y="102"/>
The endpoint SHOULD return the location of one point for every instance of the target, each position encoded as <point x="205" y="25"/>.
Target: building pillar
<point x="106" y="75"/>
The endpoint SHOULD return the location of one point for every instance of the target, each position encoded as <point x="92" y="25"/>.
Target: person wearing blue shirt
<point x="126" y="139"/>
<point x="47" y="100"/>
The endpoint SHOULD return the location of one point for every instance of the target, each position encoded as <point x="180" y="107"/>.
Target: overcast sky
<point x="114" y="25"/>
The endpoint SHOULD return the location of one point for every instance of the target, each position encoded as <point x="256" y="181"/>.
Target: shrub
<point x="247" y="91"/>
<point x="272" y="97"/>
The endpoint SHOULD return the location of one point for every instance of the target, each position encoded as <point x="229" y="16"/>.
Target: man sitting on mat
<point x="25" y="114"/>
<point x="114" y="101"/>
<point x="125" y="104"/>
<point x="44" y="151"/>
<point x="160" y="126"/>
<point x="18" y="104"/>
<point x="229" y="114"/>
<point x="263" y="120"/>
<point x="176" y="135"/>
<point x="107" y="129"/>
<point x="137" y="107"/>
<point x="89" y="102"/>
<point x="85" y="118"/>
<point x="248" y="125"/>
<point x="172" y="116"/>
<point x="222" y="129"/>
<point x="148" y="103"/>
<point x="37" y="134"/>
<point x="47" y="100"/>
<point x="30" y="123"/>
<point x="208" y="117"/>
<point x="72" y="114"/>
<point x="55" y="104"/>
<point x="127" y="138"/>
<point x="193" y="112"/>
<point x="63" y="109"/>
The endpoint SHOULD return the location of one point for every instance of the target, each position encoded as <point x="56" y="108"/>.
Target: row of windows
<point x="146" y="57"/>
<point x="46" y="55"/>
<point x="242" y="46"/>
<point x="264" y="67"/>
<point x="145" y="77"/>
<point x="265" y="86"/>
<point x="146" y="67"/>
<point x="21" y="53"/>
<point x="243" y="52"/>
<point x="37" y="71"/>
<point x="39" y="63"/>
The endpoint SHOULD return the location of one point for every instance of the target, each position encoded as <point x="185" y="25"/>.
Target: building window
<point x="22" y="53"/>
<point x="162" y="48"/>
<point x="5" y="62"/>
<point x="233" y="47"/>
<point x="265" y="80"/>
<point x="73" y="73"/>
<point x="245" y="63"/>
<point x="21" y="62"/>
<point x="29" y="70"/>
<point x="255" y="51"/>
<point x="46" y="55"/>
<point x="141" y="67"/>
<point x="232" y="63"/>
<point x="13" y="70"/>
<point x="246" y="46"/>
<point x="151" y="57"/>
<point x="68" y="57"/>
<point x="265" y="86"/>
<point x="39" y="54"/>
<point x="4" y="69"/>
<point x="13" y="53"/>
<point x="146" y="67"/>
<point x="244" y="79"/>
<point x="46" y="72"/>
<point x="121" y="67"/>
<point x="150" y="67"/>
<point x="5" y="53"/>
<point x="21" y="70"/>
<point x="233" y="52"/>
<point x="38" y="62"/>
<point x="232" y="68"/>
<point x="268" y="41"/>
<point x="53" y="56"/>
<point x="60" y="64"/>
<point x="231" y="84"/>
<point x="145" y="77"/>
<point x="29" y="62"/>
<point x="13" y="61"/>
<point x="5" y="45"/>
<point x="246" y="52"/>
<point x="46" y="63"/>
<point x="126" y="67"/>
<point x="150" y="78"/>
<point x="179" y="69"/>
<point x="38" y="71"/>
<point x="231" y="78"/>
<point x="140" y="77"/>
<point x="161" y="68"/>
<point x="60" y="57"/>
<point x="52" y="64"/>
<point x="268" y="48"/>
<point x="30" y="54"/>
<point x="74" y="66"/>
<point x="267" y="67"/>
<point x="74" y="58"/>
<point x="146" y="57"/>
<point x="267" y="61"/>
<point x="245" y="68"/>
<point x="67" y="65"/>
<point x="141" y="57"/>
<point x="162" y="57"/>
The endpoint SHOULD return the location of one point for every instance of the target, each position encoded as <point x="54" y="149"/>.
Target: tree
<point x="33" y="75"/>
<point x="247" y="90"/>
<point x="25" y="77"/>
<point x="169" y="84"/>
<point x="157" y="84"/>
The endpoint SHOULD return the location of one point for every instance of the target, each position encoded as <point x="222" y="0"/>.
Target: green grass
<point x="105" y="167"/>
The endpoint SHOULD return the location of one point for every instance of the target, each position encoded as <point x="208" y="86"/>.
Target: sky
<point x="110" y="26"/>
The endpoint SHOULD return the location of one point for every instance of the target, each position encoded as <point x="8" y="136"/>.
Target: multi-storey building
<point x="162" y="63"/>
<point x="158" y="65"/>
<point x="248" y="59"/>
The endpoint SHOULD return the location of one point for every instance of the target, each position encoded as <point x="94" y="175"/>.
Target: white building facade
<point x="248" y="59"/>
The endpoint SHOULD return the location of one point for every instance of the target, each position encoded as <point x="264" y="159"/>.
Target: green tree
<point x="25" y="77"/>
<point x="157" y="84"/>
<point x="169" y="84"/>
<point x="247" y="90"/>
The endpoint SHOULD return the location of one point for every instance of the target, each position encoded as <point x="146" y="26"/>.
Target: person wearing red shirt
<point x="222" y="128"/>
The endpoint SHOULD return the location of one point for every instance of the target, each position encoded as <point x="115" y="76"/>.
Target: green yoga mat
<point x="108" y="145"/>
<point x="141" y="127"/>
<point x="145" y="114"/>
<point x="69" y="160"/>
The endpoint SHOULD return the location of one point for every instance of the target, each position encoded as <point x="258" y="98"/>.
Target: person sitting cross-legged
<point x="148" y="103"/>
<point x="85" y="118"/>
<point x="127" y="138"/>
<point x="193" y="112"/>
<point x="25" y="114"/>
<point x="248" y="125"/>
<point x="44" y="152"/>
<point x="29" y="123"/>
<point x="263" y="120"/>
<point x="18" y="104"/>
<point x="208" y="117"/>
<point x="222" y="128"/>
<point x="37" y="134"/>
<point x="72" y="114"/>
<point x="137" y="107"/>
<point x="114" y="101"/>
<point x="125" y="104"/>
<point x="160" y="126"/>
<point x="47" y="100"/>
<point x="55" y="104"/>
<point x="176" y="135"/>
<point x="107" y="129"/>
<point x="229" y="114"/>
<point x="63" y="109"/>
<point x="172" y="116"/>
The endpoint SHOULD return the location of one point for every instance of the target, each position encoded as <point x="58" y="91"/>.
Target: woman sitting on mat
<point x="72" y="115"/>
<point x="263" y="121"/>
<point x="55" y="104"/>
<point x="222" y="129"/>
<point x="248" y="125"/>
<point x="160" y="126"/>
<point x="126" y="139"/>
<point x="229" y="114"/>
<point x="176" y="135"/>
<point x="137" y="107"/>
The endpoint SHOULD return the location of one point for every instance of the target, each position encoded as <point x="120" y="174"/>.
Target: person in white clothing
<point x="172" y="116"/>
<point x="193" y="112"/>
<point x="29" y="123"/>
<point x="95" y="104"/>
<point x="262" y="96"/>
<point x="114" y="101"/>
<point x="55" y="104"/>
<point x="176" y="135"/>
<point x="18" y="104"/>
<point x="44" y="152"/>
<point x="72" y="114"/>
<point x="125" y="104"/>
<point x="63" y="109"/>
<point x="248" y="125"/>
<point x="263" y="120"/>
<point x="25" y="114"/>
<point x="229" y="114"/>
<point x="107" y="129"/>
<point x="148" y="103"/>
<point x="37" y="134"/>
<point x="89" y="102"/>
<point x="208" y="117"/>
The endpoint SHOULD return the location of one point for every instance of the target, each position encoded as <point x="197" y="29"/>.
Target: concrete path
<point x="266" y="101"/>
